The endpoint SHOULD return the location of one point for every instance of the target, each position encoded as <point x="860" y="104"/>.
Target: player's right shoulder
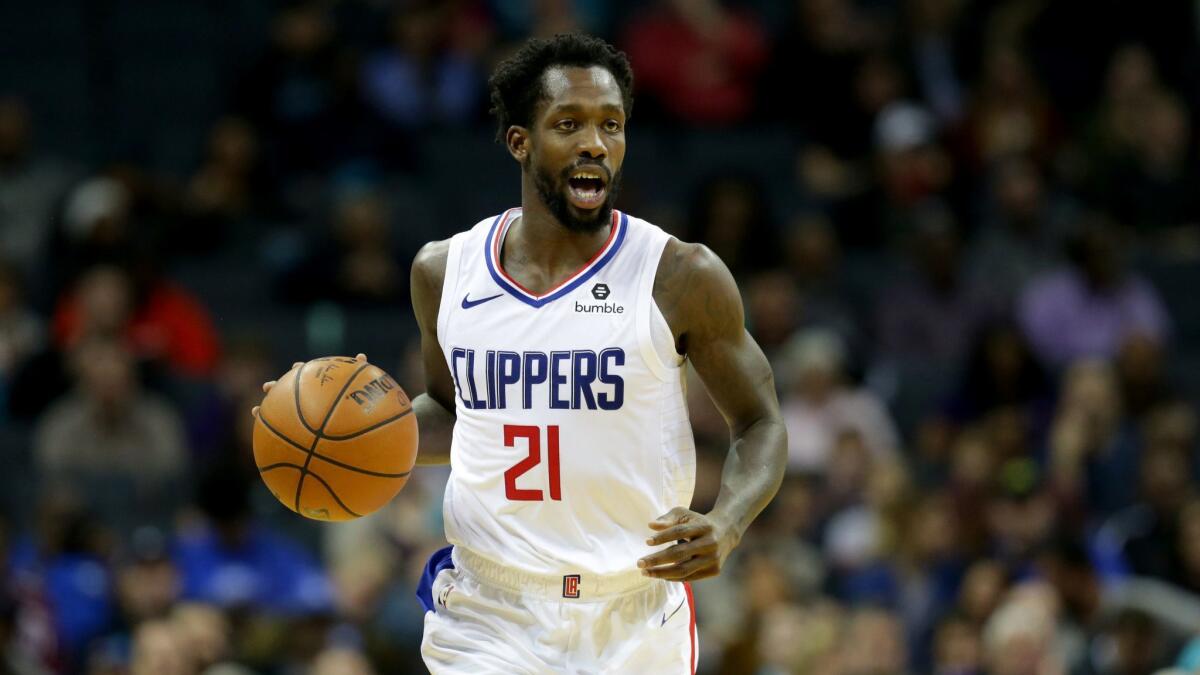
<point x="426" y="278"/>
<point x="429" y="267"/>
<point x="430" y="264"/>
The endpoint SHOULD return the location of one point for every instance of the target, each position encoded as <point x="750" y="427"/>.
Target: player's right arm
<point x="435" y="407"/>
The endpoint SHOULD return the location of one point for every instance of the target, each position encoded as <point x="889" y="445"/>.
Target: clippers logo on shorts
<point x="571" y="586"/>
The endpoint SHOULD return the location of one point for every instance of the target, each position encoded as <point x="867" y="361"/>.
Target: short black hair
<point x="516" y="86"/>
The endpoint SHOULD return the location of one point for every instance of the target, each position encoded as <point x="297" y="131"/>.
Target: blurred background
<point x="967" y="234"/>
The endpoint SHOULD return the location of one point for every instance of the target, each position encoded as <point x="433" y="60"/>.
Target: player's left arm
<point x="700" y="300"/>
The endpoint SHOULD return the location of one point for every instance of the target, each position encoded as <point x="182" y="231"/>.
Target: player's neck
<point x="540" y="239"/>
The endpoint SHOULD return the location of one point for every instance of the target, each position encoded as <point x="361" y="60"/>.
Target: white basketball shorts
<point x="482" y="617"/>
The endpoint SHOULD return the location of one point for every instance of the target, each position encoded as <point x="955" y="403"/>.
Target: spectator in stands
<point x="96" y="229"/>
<point x="969" y="479"/>
<point x="730" y="212"/>
<point x="932" y="312"/>
<point x="300" y="89"/>
<point x="1091" y="306"/>
<point x="1019" y="637"/>
<point x="932" y="31"/>
<point x="912" y="165"/>
<point x="773" y="307"/>
<point x="1008" y="114"/>
<point x="698" y="61"/>
<point x="357" y="263"/>
<point x="820" y="405"/>
<point x="22" y="332"/>
<point x="31" y="188"/>
<point x="1153" y="188"/>
<point x="229" y="559"/>
<point x="230" y="185"/>
<point x="159" y="649"/>
<point x="909" y="169"/>
<point x="956" y="647"/>
<point x="27" y="630"/>
<point x="819" y="51"/>
<point x="217" y="426"/>
<point x="863" y="502"/>
<point x="341" y="661"/>
<point x="116" y="445"/>
<point x="147" y="585"/>
<point x="422" y="78"/>
<point x="1022" y="232"/>
<point x="1141" y="375"/>
<point x="982" y="590"/>
<point x="927" y="566"/>
<point x="1141" y="539"/>
<point x="61" y="565"/>
<point x="884" y="632"/>
<point x="835" y="161"/>
<point x="845" y="144"/>
<point x="827" y="295"/>
<point x="159" y="320"/>
<point x="1187" y="547"/>
<point x="205" y="633"/>
<point x="1131" y="80"/>
<point x="1093" y="450"/>
<point x="1001" y="371"/>
<point x="1134" y="618"/>
<point x="1021" y="516"/>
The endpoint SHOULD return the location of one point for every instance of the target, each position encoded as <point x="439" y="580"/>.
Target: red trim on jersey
<point x="502" y="231"/>
<point x="692" y="629"/>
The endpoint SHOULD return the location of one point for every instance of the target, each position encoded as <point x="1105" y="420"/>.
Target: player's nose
<point x="591" y="144"/>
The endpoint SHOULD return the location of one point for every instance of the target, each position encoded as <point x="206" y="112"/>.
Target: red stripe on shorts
<point x="692" y="629"/>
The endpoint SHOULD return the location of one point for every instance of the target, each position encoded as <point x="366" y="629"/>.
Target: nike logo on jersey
<point x="667" y="617"/>
<point x="468" y="304"/>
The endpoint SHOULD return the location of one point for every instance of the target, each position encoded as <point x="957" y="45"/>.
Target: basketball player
<point x="554" y="337"/>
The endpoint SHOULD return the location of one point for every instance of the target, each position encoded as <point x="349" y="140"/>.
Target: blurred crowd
<point x="969" y="249"/>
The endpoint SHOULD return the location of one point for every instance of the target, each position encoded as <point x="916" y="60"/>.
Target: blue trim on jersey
<point x="439" y="561"/>
<point x="538" y="302"/>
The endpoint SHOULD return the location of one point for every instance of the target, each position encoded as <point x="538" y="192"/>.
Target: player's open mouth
<point x="587" y="188"/>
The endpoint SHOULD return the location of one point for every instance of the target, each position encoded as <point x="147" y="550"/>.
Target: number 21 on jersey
<point x="533" y="439"/>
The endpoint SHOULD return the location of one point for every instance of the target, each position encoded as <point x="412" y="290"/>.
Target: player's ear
<point x="517" y="141"/>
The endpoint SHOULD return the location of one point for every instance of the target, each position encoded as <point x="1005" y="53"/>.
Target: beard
<point x="554" y="195"/>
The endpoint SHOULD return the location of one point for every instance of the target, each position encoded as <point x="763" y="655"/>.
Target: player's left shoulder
<point x="694" y="289"/>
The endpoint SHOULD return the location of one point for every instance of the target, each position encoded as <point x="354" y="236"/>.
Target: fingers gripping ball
<point x="335" y="438"/>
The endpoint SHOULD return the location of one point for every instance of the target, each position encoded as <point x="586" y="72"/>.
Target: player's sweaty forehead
<point x="573" y="86"/>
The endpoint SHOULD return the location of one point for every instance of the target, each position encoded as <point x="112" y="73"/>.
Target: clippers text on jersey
<point x="579" y="379"/>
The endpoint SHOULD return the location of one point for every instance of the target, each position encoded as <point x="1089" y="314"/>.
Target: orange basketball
<point x="335" y="439"/>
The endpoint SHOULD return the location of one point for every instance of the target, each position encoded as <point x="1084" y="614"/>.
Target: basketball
<point x="335" y="439"/>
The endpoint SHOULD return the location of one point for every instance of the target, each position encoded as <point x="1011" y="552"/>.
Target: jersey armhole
<point x="449" y="287"/>
<point x="655" y="339"/>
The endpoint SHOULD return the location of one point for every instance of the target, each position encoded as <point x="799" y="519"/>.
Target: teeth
<point x="586" y="175"/>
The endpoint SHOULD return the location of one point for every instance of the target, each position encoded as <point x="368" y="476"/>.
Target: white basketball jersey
<point x="572" y="430"/>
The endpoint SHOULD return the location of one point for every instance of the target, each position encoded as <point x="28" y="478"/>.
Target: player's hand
<point x="703" y="544"/>
<point x="361" y="358"/>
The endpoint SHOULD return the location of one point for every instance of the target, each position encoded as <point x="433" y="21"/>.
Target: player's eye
<point x="612" y="126"/>
<point x="565" y="125"/>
